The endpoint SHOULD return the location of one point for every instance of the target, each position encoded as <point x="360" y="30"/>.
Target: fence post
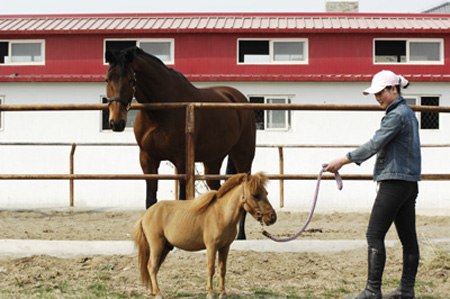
<point x="72" y="154"/>
<point x="281" y="158"/>
<point x="190" y="151"/>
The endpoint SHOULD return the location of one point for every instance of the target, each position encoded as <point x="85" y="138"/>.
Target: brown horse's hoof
<point x="223" y="296"/>
<point x="210" y="297"/>
<point x="159" y="297"/>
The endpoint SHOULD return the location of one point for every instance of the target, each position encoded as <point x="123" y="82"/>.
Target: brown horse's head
<point x="255" y="200"/>
<point x="120" y="86"/>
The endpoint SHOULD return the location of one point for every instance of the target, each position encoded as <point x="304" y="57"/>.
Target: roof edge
<point x="224" y="14"/>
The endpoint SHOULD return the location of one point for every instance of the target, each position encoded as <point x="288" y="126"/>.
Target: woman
<point x="397" y="170"/>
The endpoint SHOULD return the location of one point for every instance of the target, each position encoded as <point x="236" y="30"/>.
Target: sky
<point x="180" y="6"/>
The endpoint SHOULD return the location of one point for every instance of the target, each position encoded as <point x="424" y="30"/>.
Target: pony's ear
<point x="110" y="57"/>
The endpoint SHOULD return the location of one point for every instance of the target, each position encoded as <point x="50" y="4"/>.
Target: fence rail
<point x="190" y="175"/>
<point x="246" y="106"/>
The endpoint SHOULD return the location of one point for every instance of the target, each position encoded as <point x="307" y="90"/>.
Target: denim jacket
<point x="396" y="144"/>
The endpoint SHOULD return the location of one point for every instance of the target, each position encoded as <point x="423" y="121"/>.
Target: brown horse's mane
<point x="126" y="56"/>
<point x="254" y="182"/>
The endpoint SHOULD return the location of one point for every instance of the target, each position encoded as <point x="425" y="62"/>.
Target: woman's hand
<point x="336" y="164"/>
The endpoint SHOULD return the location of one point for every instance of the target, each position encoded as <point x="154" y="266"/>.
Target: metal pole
<point x="280" y="154"/>
<point x="72" y="154"/>
<point x="190" y="152"/>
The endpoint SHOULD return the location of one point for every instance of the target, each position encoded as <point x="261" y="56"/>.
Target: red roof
<point x="29" y="24"/>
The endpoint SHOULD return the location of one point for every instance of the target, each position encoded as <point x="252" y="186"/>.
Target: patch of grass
<point x="100" y="290"/>
<point x="435" y="258"/>
<point x="337" y="293"/>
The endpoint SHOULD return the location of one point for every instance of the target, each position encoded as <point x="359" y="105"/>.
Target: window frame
<point x="408" y="42"/>
<point x="24" y="41"/>
<point x="271" y="51"/>
<point x="144" y="40"/>
<point x="288" y="121"/>
<point x="418" y="102"/>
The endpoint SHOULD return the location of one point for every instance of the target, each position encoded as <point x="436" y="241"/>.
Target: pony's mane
<point x="257" y="181"/>
<point x="254" y="182"/>
<point x="230" y="184"/>
<point x="201" y="203"/>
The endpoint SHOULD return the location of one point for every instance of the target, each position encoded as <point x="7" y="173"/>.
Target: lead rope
<point x="339" y="186"/>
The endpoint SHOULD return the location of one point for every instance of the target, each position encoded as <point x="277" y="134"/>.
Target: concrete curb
<point x="64" y="249"/>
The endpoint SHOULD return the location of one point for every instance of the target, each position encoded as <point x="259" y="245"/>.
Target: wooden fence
<point x="190" y="175"/>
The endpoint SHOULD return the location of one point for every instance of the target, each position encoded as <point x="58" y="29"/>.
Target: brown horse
<point x="210" y="221"/>
<point x="161" y="134"/>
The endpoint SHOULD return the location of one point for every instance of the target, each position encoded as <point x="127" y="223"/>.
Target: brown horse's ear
<point x="110" y="57"/>
<point x="131" y="54"/>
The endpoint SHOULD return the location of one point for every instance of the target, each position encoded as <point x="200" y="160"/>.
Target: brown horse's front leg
<point x="211" y="253"/>
<point x="223" y="255"/>
<point x="149" y="166"/>
<point x="241" y="234"/>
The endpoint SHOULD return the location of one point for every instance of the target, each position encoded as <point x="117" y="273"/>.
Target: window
<point x="277" y="51"/>
<point x="131" y="116"/>
<point x="161" y="48"/>
<point x="272" y="119"/>
<point x="409" y="51"/>
<point x="428" y="120"/>
<point x="23" y="52"/>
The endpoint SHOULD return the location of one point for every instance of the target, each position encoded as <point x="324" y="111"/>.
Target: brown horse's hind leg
<point x="213" y="168"/>
<point x="232" y="169"/>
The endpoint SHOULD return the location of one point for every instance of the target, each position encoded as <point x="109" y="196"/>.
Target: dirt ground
<point x="183" y="275"/>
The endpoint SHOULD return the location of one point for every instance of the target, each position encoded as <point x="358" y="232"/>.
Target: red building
<point x="211" y="47"/>
<point x="272" y="58"/>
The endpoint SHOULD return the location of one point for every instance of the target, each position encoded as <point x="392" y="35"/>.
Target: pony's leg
<point x="150" y="285"/>
<point x="149" y="166"/>
<point x="211" y="254"/>
<point x="156" y="257"/>
<point x="223" y="255"/>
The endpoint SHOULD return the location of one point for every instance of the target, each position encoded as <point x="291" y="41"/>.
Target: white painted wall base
<point x="308" y="127"/>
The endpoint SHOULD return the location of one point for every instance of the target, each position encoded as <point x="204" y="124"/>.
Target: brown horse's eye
<point x="256" y="196"/>
<point x="106" y="80"/>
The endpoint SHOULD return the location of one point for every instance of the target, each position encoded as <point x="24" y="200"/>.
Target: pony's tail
<point x="141" y="243"/>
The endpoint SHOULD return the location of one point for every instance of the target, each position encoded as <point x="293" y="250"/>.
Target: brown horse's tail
<point x="141" y="243"/>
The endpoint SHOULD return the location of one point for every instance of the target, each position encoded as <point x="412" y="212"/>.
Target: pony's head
<point x="120" y="85"/>
<point x="254" y="198"/>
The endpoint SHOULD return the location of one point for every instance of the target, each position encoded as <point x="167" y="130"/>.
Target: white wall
<point x="308" y="127"/>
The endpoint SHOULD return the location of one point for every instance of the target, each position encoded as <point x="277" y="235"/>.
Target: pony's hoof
<point x="210" y="297"/>
<point x="223" y="296"/>
<point x="159" y="297"/>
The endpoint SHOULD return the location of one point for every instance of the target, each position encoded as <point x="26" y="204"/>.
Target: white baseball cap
<point x="383" y="79"/>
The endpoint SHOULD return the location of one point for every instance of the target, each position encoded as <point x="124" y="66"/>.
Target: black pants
<point x="395" y="202"/>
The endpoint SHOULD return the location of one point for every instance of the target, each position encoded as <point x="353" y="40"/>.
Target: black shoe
<point x="399" y="294"/>
<point x="376" y="261"/>
<point x="406" y="288"/>
<point x="367" y="294"/>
